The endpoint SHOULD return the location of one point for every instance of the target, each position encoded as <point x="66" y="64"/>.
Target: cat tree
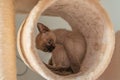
<point x="85" y="16"/>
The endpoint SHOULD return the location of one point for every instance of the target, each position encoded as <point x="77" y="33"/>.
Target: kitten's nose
<point x="50" y="48"/>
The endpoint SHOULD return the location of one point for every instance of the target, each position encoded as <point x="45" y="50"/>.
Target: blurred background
<point x="23" y="73"/>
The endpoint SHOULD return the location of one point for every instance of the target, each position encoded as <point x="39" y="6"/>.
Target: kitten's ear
<point x="42" y="28"/>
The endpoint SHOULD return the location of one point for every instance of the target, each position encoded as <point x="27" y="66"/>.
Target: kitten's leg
<point x="64" y="73"/>
<point x="56" y="61"/>
<point x="73" y="58"/>
<point x="58" y="70"/>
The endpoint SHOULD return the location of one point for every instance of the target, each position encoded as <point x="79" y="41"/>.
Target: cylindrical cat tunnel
<point x="84" y="16"/>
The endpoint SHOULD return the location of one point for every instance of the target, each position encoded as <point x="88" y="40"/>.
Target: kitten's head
<point x="46" y="39"/>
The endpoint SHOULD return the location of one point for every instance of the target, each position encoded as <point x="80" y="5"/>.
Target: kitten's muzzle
<point x="50" y="48"/>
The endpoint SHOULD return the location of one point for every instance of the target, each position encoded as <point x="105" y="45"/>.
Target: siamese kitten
<point x="67" y="47"/>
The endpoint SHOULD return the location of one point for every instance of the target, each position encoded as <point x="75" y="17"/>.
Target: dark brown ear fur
<point x="42" y="28"/>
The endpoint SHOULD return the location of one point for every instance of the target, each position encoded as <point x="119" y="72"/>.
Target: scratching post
<point x="85" y="16"/>
<point x="7" y="41"/>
